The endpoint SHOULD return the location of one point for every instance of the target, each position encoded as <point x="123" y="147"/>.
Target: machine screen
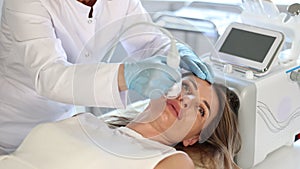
<point x="248" y="45"/>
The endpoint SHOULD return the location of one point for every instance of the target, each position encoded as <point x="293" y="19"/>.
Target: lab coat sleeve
<point x="46" y="61"/>
<point x="143" y="40"/>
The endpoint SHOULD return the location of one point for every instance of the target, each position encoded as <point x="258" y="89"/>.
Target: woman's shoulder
<point x="176" y="161"/>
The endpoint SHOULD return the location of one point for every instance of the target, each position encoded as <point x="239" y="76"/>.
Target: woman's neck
<point x="149" y="123"/>
<point x="148" y="130"/>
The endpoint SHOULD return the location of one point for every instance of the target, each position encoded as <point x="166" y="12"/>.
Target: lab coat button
<point x="90" y="21"/>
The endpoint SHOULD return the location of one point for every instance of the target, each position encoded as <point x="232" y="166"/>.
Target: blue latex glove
<point x="151" y="77"/>
<point x="191" y="62"/>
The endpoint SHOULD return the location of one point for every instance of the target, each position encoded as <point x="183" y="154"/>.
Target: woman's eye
<point x="186" y="88"/>
<point x="201" y="110"/>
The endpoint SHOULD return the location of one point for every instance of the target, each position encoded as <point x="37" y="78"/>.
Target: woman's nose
<point x="186" y="101"/>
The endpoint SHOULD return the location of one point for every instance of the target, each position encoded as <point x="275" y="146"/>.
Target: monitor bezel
<point x="244" y="63"/>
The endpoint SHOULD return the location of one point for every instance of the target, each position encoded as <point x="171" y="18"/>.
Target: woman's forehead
<point x="204" y="88"/>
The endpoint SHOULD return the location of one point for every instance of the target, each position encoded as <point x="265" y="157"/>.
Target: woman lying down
<point x="200" y="114"/>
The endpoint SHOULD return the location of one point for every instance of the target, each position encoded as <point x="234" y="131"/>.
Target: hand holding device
<point x="191" y="62"/>
<point x="151" y="78"/>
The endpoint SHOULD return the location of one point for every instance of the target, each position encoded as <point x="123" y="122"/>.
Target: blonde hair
<point x="219" y="150"/>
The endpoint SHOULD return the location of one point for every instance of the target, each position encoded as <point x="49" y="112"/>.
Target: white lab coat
<point x="40" y="42"/>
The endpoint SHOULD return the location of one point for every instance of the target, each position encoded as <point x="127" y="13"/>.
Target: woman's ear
<point x="190" y="141"/>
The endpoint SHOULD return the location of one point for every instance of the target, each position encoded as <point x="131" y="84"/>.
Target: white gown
<point x="40" y="41"/>
<point x="85" y="142"/>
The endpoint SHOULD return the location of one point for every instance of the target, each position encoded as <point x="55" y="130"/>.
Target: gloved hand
<point x="191" y="62"/>
<point x="151" y="77"/>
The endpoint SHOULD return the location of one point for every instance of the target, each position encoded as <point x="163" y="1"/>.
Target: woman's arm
<point x="177" y="161"/>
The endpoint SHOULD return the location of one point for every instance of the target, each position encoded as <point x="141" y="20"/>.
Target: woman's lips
<point x="174" y="107"/>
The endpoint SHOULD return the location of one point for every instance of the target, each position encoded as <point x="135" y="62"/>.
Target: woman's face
<point x="185" y="116"/>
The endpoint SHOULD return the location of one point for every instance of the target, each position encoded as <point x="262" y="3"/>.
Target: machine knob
<point x="295" y="76"/>
<point x="227" y="68"/>
<point x="249" y="74"/>
<point x="294" y="9"/>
